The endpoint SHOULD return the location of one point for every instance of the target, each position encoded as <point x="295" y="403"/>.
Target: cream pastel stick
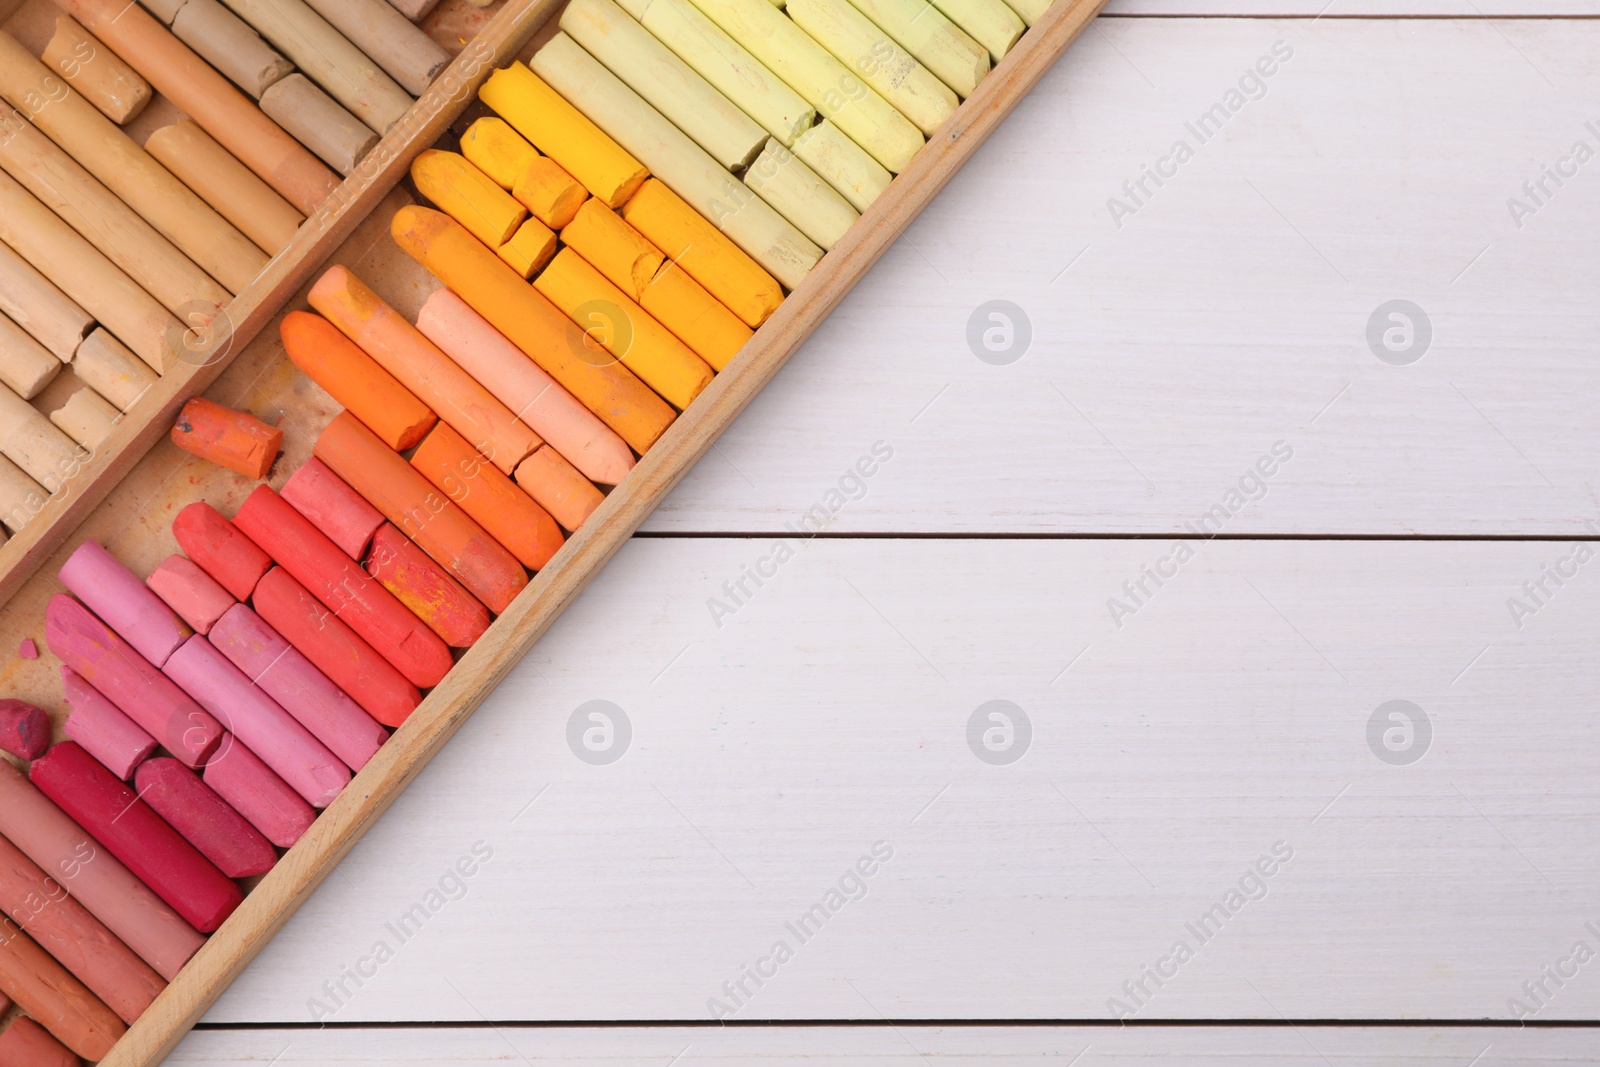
<point x="77" y="410"/>
<point x="816" y="209"/>
<point x="206" y="96"/>
<point x="327" y="58"/>
<point x="230" y="45"/>
<point x="226" y="184"/>
<point x="25" y="366"/>
<point x="754" y="226"/>
<point x="33" y="443"/>
<point x="105" y="365"/>
<point x="33" y="302"/>
<point x="989" y="22"/>
<point x="319" y="122"/>
<point x="908" y="86"/>
<point x="669" y="84"/>
<point x="410" y="56"/>
<point x="939" y="44"/>
<point x="1030" y="11"/>
<point x="841" y="163"/>
<point x="21" y="497"/>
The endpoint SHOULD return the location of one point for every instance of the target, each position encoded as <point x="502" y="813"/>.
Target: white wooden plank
<point x="1468" y="9"/>
<point x="884" y="1046"/>
<point x="1231" y="310"/>
<point x="831" y="712"/>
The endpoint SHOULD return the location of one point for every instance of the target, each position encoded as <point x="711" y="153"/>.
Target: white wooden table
<point x="1036" y="530"/>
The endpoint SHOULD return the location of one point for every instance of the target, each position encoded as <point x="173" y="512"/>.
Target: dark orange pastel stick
<point x="489" y="497"/>
<point x="350" y="376"/>
<point x="557" y="487"/>
<point x="61" y="1004"/>
<point x="423" y="586"/>
<point x="228" y="438"/>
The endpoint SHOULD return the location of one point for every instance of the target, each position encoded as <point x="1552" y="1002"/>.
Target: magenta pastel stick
<point x="257" y="720"/>
<point x="305" y="692"/>
<point x="238" y="776"/>
<point x="204" y="819"/>
<point x="102" y="729"/>
<point x="112" y="592"/>
<point x="24" y="729"/>
<point x="191" y="592"/>
<point x="148" y="697"/>
<point x="333" y="507"/>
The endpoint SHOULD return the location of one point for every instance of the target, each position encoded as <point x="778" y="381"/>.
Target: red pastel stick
<point x="137" y="836"/>
<point x="27" y="1044"/>
<point x="340" y="583"/>
<point x="24" y="729"/>
<point x="145" y="695"/>
<point x="213" y="542"/>
<point x="102" y="729"/>
<point x="426" y="588"/>
<point x="333" y="507"/>
<point x="191" y="592"/>
<point x="251" y="789"/>
<point x="204" y="819"/>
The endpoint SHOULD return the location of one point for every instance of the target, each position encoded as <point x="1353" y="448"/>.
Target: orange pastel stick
<point x="423" y="586"/>
<point x="493" y="500"/>
<point x="558" y="487"/>
<point x="549" y="193"/>
<point x="402" y="350"/>
<point x="228" y="438"/>
<point x="349" y="375"/>
<point x="438" y="526"/>
<point x="533" y="324"/>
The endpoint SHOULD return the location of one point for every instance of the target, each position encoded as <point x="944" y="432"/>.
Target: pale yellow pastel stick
<point x="697" y="318"/>
<point x="939" y="44"/>
<point x="33" y="443"/>
<point x="613" y="247"/>
<point x="529" y="249"/>
<point x="21" y="498"/>
<point x="799" y="195"/>
<point x="34" y="302"/>
<point x="726" y="65"/>
<point x="989" y="22"/>
<point x="96" y="71"/>
<point x="105" y="365"/>
<point x="1030" y="11"/>
<point x="669" y="84"/>
<point x="893" y="72"/>
<point x="226" y="184"/>
<point x="26" y="366"/>
<point x="827" y="85"/>
<point x="491" y="145"/>
<point x="769" y="238"/>
<point x="841" y="163"/>
<point x="77" y="410"/>
<point x="319" y="122"/>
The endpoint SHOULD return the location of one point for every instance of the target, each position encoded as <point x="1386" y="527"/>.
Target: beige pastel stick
<point x="102" y="219"/>
<point x="71" y="51"/>
<point x="165" y="10"/>
<point x="325" y="56"/>
<point x="827" y="85"/>
<point x="726" y="65"/>
<point x="33" y="443"/>
<point x="87" y="276"/>
<point x="409" y="56"/>
<point x="26" y="366"/>
<point x="77" y="410"/>
<point x="226" y="184"/>
<point x="21" y="498"/>
<point x="128" y="170"/>
<point x="319" y="122"/>
<point x="33" y="302"/>
<point x="841" y="163"/>
<point x="766" y="236"/>
<point x="890" y="70"/>
<point x="669" y="84"/>
<point x="939" y="44"/>
<point x="1030" y="11"/>
<point x="415" y="10"/>
<point x="105" y="365"/>
<point x="794" y="189"/>
<point x="989" y="22"/>
<point x="228" y="43"/>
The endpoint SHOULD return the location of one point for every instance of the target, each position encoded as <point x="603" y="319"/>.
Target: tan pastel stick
<point x="410" y="56"/>
<point x="95" y="71"/>
<point x="28" y="439"/>
<point x="794" y="189"/>
<point x="226" y="184"/>
<point x="415" y="10"/>
<point x="1030" y="11"/>
<point x="319" y="122"/>
<point x="26" y="366"/>
<point x="127" y="170"/>
<point x="77" y="410"/>
<point x="894" y="73"/>
<point x="230" y="45"/>
<point x="105" y="365"/>
<point x="175" y="72"/>
<point x="20" y="496"/>
<point x="33" y="302"/>
<point x="165" y="10"/>
<point x="843" y="164"/>
<point x="87" y="276"/>
<point x="83" y="203"/>
<point x="324" y="55"/>
<point x="989" y="22"/>
<point x="939" y="44"/>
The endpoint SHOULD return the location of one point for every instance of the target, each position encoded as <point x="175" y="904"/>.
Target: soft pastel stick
<point x="24" y="729"/>
<point x="613" y="247"/>
<point x="991" y="23"/>
<point x="524" y="387"/>
<point x="104" y="80"/>
<point x="939" y="44"/>
<point x="549" y="193"/>
<point x="467" y="195"/>
<point x="118" y="819"/>
<point x="21" y="498"/>
<point x="285" y="675"/>
<point x="874" y="56"/>
<point x="529" y="249"/>
<point x="231" y="558"/>
<point x="226" y="184"/>
<point x="228" y="43"/>
<point x="190" y="591"/>
<point x="127" y="605"/>
<point x="841" y="163"/>
<point x="33" y="302"/>
<point x="408" y="55"/>
<point x="233" y="439"/>
<point x="77" y="410"/>
<point x="350" y="376"/>
<point x="266" y="801"/>
<point x="396" y="345"/>
<point x="333" y="507"/>
<point x="783" y="180"/>
<point x="506" y="513"/>
<point x="102" y="729"/>
<point x="105" y="365"/>
<point x="63" y="927"/>
<point x="426" y="588"/>
<point x="502" y="153"/>
<point x="335" y="649"/>
<point x="556" y="486"/>
<point x="205" y="820"/>
<point x="442" y="529"/>
<point x="319" y="122"/>
<point x="148" y="697"/>
<point x="34" y="443"/>
<point x="27" y="1044"/>
<point x="62" y="1004"/>
<point x="699" y="320"/>
<point x="301" y="549"/>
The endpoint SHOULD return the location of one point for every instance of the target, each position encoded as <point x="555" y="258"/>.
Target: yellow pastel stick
<point x="549" y="193"/>
<point x="872" y="54"/>
<point x="1030" y="11"/>
<point x="613" y="247"/>
<point x="467" y="195"/>
<point x="799" y="195"/>
<point x="841" y="163"/>
<point x="939" y="44"/>
<point x="491" y="145"/>
<point x="695" y="316"/>
<point x="529" y="249"/>
<point x="561" y="132"/>
<point x="989" y="22"/>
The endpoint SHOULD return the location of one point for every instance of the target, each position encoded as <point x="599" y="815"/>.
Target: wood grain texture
<point x="1331" y="9"/>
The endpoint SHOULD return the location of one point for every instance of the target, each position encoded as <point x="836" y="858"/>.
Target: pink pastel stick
<point x="305" y="692"/>
<point x="204" y="819"/>
<point x="333" y="507"/>
<point x="238" y="776"/>
<point x="24" y="729"/>
<point x="191" y="592"/>
<point x="517" y="382"/>
<point x="144" y="694"/>
<point x="270" y="732"/>
<point x="102" y="729"/>
<point x="112" y="592"/>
